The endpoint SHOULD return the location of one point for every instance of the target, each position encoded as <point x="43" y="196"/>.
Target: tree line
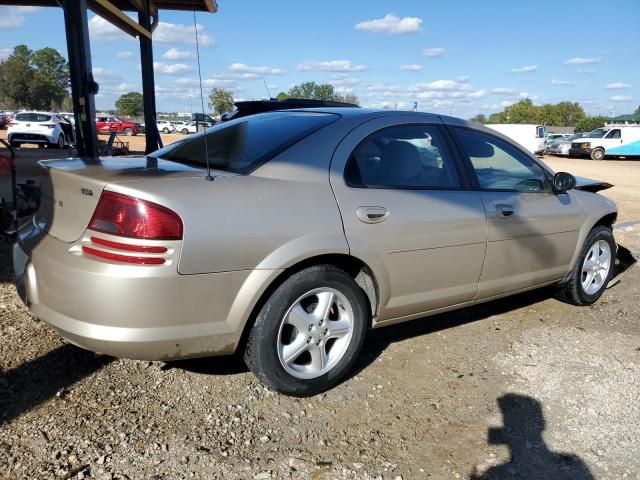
<point x="35" y="80"/>
<point x="563" y="114"/>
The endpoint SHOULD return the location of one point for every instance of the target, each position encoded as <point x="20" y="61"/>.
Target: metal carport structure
<point x="83" y="86"/>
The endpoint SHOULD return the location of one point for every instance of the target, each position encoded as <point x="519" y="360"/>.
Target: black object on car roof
<point x="244" y="109"/>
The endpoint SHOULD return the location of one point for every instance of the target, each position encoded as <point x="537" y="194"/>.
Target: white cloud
<point x="102" y="74"/>
<point x="502" y="91"/>
<point x="332" y="66"/>
<point x="125" y="55"/>
<point x="525" y="69"/>
<point x="206" y="82"/>
<point x="586" y="71"/>
<point x="338" y="79"/>
<point x="617" y="86"/>
<point x="437" y="93"/>
<point x="103" y="31"/>
<point x="242" y="68"/>
<point x="171" y="68"/>
<point x="463" y="78"/>
<point x="411" y="68"/>
<point x="13" y="17"/>
<point x="582" y="60"/>
<point x="184" y="34"/>
<point x="434" y="52"/>
<point x="562" y="83"/>
<point x="392" y="24"/>
<point x="620" y="98"/>
<point x="175" y="54"/>
<point x="4" y="53"/>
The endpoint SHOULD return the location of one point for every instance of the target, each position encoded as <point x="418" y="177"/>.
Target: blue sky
<point x="459" y="57"/>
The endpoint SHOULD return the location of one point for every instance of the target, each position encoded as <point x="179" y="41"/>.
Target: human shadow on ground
<point x="33" y="382"/>
<point x="530" y="457"/>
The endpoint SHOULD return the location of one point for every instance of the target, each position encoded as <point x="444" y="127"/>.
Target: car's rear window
<point x="241" y="146"/>
<point x="33" y="117"/>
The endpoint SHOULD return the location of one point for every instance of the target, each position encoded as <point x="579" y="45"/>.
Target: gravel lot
<point x="525" y="387"/>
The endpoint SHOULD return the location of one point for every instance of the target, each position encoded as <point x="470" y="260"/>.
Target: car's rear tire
<point x="165" y="130"/>
<point x="593" y="269"/>
<point x="128" y="132"/>
<point x="185" y="131"/>
<point x="60" y="142"/>
<point x="309" y="332"/>
<point x="597" y="154"/>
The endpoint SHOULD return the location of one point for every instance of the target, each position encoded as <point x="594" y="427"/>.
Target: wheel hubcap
<point x="315" y="333"/>
<point x="595" y="268"/>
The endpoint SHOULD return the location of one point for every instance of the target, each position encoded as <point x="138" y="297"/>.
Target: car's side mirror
<point x="563" y="181"/>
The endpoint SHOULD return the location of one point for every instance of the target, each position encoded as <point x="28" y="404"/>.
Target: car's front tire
<point x="309" y="332"/>
<point x="593" y="269"/>
<point x="128" y="132"/>
<point x="597" y="154"/>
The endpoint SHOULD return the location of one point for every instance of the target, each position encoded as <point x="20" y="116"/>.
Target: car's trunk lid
<point x="71" y="188"/>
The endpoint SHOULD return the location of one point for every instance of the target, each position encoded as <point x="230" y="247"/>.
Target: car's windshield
<point x="33" y="117"/>
<point x="575" y="136"/>
<point x="597" y="133"/>
<point x="240" y="146"/>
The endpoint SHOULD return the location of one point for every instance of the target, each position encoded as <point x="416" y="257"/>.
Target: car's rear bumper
<point x="31" y="138"/>
<point x="127" y="311"/>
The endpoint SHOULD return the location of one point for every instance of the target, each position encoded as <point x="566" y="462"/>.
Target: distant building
<point x="631" y="119"/>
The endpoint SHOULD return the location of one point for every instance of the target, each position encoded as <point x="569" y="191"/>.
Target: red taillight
<point x="131" y="217"/>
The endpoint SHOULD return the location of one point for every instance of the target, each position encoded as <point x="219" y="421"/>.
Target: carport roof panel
<point x="130" y="5"/>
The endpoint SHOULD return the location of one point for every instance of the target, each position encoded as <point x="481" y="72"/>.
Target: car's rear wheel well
<point x="357" y="269"/>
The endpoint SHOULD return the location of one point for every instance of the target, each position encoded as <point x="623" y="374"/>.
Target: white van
<point x="612" y="140"/>
<point x="530" y="137"/>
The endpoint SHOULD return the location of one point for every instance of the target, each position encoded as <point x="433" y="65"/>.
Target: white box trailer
<point x="530" y="137"/>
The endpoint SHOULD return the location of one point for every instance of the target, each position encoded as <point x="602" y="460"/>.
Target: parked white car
<point x="41" y="128"/>
<point x="180" y="124"/>
<point x="531" y="137"/>
<point x="165" y="126"/>
<point x="188" y="128"/>
<point x="612" y="141"/>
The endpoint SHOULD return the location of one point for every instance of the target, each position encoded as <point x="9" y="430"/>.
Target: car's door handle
<point x="372" y="214"/>
<point x="504" y="211"/>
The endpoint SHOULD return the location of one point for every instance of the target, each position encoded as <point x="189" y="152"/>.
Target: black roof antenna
<point x="208" y="178"/>
<point x="267" y="88"/>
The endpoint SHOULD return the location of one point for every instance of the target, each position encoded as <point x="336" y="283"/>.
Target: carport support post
<point x="83" y="86"/>
<point x="148" y="82"/>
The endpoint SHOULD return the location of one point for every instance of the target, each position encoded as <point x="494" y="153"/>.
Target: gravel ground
<point x="525" y="387"/>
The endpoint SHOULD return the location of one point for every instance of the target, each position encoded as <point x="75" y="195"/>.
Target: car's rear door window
<point x="407" y="156"/>
<point x="240" y="146"/>
<point x="500" y="165"/>
<point x="33" y="117"/>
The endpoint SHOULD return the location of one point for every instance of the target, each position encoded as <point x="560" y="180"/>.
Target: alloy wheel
<point x="315" y="333"/>
<point x="595" y="267"/>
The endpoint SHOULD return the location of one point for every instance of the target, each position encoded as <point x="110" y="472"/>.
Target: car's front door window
<point x="499" y="165"/>
<point x="614" y="134"/>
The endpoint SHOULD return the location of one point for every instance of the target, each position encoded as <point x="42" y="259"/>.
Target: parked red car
<point x="108" y="124"/>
